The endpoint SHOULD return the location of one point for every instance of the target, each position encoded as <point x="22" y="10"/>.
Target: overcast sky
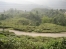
<point x="41" y="2"/>
<point x="26" y="1"/>
<point x="30" y="4"/>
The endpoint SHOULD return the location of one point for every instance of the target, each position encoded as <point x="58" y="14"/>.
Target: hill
<point x="37" y="20"/>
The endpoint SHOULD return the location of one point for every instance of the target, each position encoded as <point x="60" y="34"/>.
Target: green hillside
<point x="36" y="20"/>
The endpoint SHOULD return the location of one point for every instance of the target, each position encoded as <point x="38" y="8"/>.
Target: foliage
<point x="36" y="20"/>
<point x="28" y="42"/>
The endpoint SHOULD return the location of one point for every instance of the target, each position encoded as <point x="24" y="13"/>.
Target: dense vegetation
<point x="9" y="40"/>
<point x="36" y="20"/>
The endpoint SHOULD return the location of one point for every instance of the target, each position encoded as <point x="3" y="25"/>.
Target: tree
<point x="60" y="20"/>
<point x="2" y="17"/>
<point x="46" y="19"/>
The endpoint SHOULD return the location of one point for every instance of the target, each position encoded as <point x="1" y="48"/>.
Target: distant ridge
<point x="55" y="5"/>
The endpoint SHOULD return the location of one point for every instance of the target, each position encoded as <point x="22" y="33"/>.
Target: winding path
<point x="39" y="34"/>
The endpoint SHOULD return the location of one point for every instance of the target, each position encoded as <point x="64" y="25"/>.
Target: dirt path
<point x="39" y="34"/>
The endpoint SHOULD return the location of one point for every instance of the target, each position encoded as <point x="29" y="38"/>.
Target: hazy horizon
<point x="31" y="4"/>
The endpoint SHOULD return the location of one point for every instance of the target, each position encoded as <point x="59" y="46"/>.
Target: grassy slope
<point x="49" y="27"/>
<point x="46" y="27"/>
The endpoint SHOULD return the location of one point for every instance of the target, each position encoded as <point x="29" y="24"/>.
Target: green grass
<point x="50" y="28"/>
<point x="43" y="28"/>
<point x="28" y="42"/>
<point x="1" y="36"/>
